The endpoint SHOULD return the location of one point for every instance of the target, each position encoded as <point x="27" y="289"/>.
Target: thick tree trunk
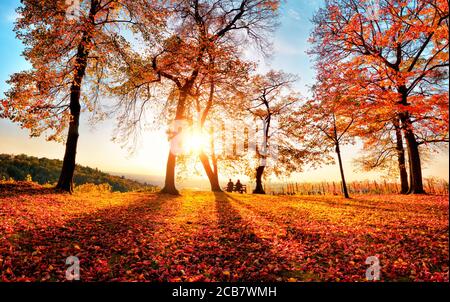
<point x="415" y="166"/>
<point x="341" y="168"/>
<point x="169" y="184"/>
<point x="65" y="181"/>
<point x="416" y="185"/>
<point x="212" y="175"/>
<point x="263" y="159"/>
<point x="216" y="169"/>
<point x="259" y="186"/>
<point x="401" y="158"/>
<point x="214" y="162"/>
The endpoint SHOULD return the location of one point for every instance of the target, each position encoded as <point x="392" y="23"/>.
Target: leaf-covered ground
<point x="220" y="237"/>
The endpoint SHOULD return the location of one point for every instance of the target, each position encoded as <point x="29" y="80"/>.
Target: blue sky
<point x="10" y="47"/>
<point x="290" y="44"/>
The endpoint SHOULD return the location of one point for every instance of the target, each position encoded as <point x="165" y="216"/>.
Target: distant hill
<point x="46" y="171"/>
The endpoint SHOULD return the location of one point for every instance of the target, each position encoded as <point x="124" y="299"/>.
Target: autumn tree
<point x="270" y="99"/>
<point x="217" y="102"/>
<point x="69" y="48"/>
<point x="380" y="130"/>
<point x="198" y="29"/>
<point x="216" y="119"/>
<point x="327" y="122"/>
<point x="384" y="150"/>
<point x="400" y="45"/>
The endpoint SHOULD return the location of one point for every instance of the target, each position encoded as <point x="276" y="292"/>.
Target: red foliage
<point x="221" y="237"/>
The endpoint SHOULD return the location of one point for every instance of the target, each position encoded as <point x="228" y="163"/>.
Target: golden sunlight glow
<point x="195" y="141"/>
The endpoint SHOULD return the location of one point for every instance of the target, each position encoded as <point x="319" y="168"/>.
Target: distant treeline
<point x="46" y="171"/>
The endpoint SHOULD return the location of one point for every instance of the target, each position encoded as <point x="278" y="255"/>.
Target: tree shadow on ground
<point x="339" y="250"/>
<point x="251" y="258"/>
<point x="108" y="242"/>
<point x="142" y="242"/>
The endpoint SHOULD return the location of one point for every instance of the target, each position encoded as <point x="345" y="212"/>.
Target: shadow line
<point x="248" y="256"/>
<point x="108" y="242"/>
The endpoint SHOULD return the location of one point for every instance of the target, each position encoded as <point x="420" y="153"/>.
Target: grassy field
<point x="220" y="237"/>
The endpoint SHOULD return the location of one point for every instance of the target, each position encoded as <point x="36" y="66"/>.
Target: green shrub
<point x="46" y="171"/>
<point x="94" y="188"/>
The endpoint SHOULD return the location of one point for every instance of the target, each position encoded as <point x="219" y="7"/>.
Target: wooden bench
<point x="242" y="190"/>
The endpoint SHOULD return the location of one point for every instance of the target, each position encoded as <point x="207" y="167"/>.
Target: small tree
<point x="271" y="99"/>
<point x="330" y="119"/>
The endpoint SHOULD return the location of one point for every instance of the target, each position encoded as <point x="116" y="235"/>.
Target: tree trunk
<point x="65" y="181"/>
<point x="214" y="161"/>
<point x="263" y="157"/>
<point x="341" y="168"/>
<point x="212" y="173"/>
<point x="169" y="184"/>
<point x="415" y="166"/>
<point x="416" y="184"/>
<point x="212" y="176"/>
<point x="401" y="158"/>
<point x="259" y="186"/>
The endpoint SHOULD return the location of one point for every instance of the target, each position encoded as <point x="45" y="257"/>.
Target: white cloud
<point x="285" y="48"/>
<point x="294" y="14"/>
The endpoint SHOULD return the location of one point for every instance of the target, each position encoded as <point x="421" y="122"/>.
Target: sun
<point x="195" y="141"/>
